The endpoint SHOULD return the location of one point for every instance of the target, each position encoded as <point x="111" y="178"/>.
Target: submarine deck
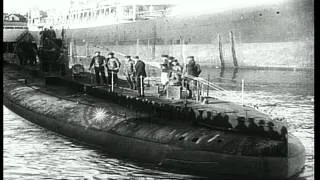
<point x="215" y="114"/>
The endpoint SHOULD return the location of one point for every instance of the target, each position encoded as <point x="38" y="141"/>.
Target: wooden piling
<point x="171" y="47"/>
<point x="73" y="51"/>
<point x="137" y="47"/>
<point x="208" y="85"/>
<point x="154" y="41"/>
<point x="235" y="61"/>
<point x="87" y="49"/>
<point x="148" y="47"/>
<point x="70" y="49"/>
<point x="220" y="52"/>
<point x="118" y="36"/>
<point x="182" y="50"/>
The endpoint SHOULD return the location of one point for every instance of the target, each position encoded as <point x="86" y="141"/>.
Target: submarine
<point x="209" y="138"/>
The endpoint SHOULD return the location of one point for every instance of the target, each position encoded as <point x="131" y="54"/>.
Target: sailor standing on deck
<point x="140" y="75"/>
<point x="113" y="66"/>
<point x="130" y="72"/>
<point x="175" y="74"/>
<point x="170" y="62"/>
<point x="192" y="69"/>
<point x="99" y="63"/>
<point x="52" y="33"/>
<point x="164" y="70"/>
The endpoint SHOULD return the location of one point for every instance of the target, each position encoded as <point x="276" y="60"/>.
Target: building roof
<point x="21" y="17"/>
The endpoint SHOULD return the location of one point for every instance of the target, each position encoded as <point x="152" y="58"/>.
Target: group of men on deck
<point x="171" y="71"/>
<point x="134" y="70"/>
<point x="46" y="34"/>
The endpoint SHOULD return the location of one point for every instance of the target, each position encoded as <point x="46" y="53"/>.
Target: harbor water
<point x="32" y="152"/>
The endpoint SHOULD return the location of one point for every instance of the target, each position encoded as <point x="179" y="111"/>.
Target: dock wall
<point x="282" y="54"/>
<point x="279" y="35"/>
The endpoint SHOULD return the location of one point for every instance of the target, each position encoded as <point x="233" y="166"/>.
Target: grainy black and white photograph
<point x="158" y="89"/>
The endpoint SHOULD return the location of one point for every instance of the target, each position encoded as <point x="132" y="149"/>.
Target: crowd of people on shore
<point x="172" y="72"/>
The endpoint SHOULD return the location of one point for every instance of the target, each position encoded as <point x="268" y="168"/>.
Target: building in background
<point x="14" y="18"/>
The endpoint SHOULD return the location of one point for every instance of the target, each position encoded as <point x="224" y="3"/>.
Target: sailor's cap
<point x="164" y="55"/>
<point x="111" y="53"/>
<point x="171" y="58"/>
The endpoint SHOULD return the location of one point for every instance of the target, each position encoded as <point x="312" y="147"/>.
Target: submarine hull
<point x="164" y="153"/>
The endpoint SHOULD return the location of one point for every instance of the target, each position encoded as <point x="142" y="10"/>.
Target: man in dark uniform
<point x="113" y="66"/>
<point x="191" y="69"/>
<point x="130" y="72"/>
<point x="140" y="75"/>
<point x="52" y="33"/>
<point x="99" y="62"/>
<point x="164" y="70"/>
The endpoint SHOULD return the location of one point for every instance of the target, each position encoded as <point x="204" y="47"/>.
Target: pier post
<point x="235" y="62"/>
<point x="70" y="50"/>
<point x="87" y="49"/>
<point x="137" y="46"/>
<point x="242" y="91"/>
<point x="208" y="85"/>
<point x="171" y="46"/>
<point x="148" y="47"/>
<point x="220" y="52"/>
<point x="154" y="41"/>
<point x="182" y="50"/>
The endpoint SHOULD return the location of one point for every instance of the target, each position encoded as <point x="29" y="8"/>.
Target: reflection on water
<point x="33" y="152"/>
<point x="234" y="75"/>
